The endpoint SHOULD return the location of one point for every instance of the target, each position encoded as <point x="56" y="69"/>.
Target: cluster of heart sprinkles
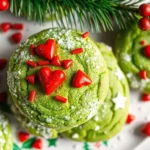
<point x="15" y="37"/>
<point x="51" y="80"/>
<point x="144" y="11"/>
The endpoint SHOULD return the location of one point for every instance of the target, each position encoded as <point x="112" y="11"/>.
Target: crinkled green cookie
<point x="82" y="103"/>
<point x="32" y="127"/>
<point x="129" y="53"/>
<point x="5" y="133"/>
<point x="111" y="116"/>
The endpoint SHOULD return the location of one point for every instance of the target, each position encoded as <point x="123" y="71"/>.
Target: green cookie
<point x="30" y="126"/>
<point x="5" y="133"/>
<point x="111" y="116"/>
<point x="129" y="52"/>
<point x="82" y="103"/>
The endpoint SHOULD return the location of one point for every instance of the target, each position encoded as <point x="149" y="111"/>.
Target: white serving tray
<point x="130" y="137"/>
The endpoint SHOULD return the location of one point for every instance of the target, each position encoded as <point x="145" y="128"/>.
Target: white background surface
<point x="130" y="138"/>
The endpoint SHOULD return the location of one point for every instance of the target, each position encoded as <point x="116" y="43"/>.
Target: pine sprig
<point x="96" y="14"/>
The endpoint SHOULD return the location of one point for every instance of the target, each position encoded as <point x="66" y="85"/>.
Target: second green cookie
<point x="132" y="50"/>
<point x="112" y="115"/>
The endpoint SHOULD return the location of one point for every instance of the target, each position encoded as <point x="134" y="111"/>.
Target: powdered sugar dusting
<point x="67" y="40"/>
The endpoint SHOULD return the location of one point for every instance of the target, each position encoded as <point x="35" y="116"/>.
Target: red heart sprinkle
<point x="18" y="26"/>
<point x="43" y="62"/>
<point x="142" y="42"/>
<point x="146" y="129"/>
<point x="5" y="26"/>
<point x="3" y="63"/>
<point x="37" y="144"/>
<point x="56" y="61"/>
<point x="31" y="63"/>
<point x="3" y="97"/>
<point x="32" y="95"/>
<point x="31" y="79"/>
<point x="60" y="99"/>
<point x="85" y="35"/>
<point x="49" y="80"/>
<point x="143" y="74"/>
<point x="146" y="51"/>
<point x="145" y="97"/>
<point x="77" y="51"/>
<point x="130" y="118"/>
<point x="4" y="4"/>
<point x="16" y="37"/>
<point x="81" y="79"/>
<point x="47" y="50"/>
<point x="32" y="49"/>
<point x="23" y="136"/>
<point x="67" y="63"/>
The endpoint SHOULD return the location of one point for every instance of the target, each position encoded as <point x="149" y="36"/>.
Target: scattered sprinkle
<point x="32" y="95"/>
<point x="77" y="51"/>
<point x="31" y="63"/>
<point x="119" y="101"/>
<point x="85" y="35"/>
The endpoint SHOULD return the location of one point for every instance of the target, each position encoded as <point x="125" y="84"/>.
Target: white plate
<point x="130" y="137"/>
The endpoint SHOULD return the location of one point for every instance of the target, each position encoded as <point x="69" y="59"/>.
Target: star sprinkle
<point x="105" y="143"/>
<point x="119" y="74"/>
<point x="119" y="101"/>
<point x="52" y="142"/>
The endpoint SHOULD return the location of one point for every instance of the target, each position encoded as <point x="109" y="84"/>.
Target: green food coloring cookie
<point x="129" y="49"/>
<point x="82" y="103"/>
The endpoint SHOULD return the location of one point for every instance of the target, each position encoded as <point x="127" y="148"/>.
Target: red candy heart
<point x="56" y="61"/>
<point x="145" y="97"/>
<point x="23" y="136"/>
<point x="38" y="144"/>
<point x="50" y="81"/>
<point x="130" y="118"/>
<point x="67" y="63"/>
<point x="146" y="129"/>
<point x="16" y="37"/>
<point x="47" y="50"/>
<point x="31" y="79"/>
<point x="81" y="79"/>
<point x="5" y="26"/>
<point x="143" y="74"/>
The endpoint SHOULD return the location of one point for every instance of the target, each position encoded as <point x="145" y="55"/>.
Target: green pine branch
<point x="97" y="14"/>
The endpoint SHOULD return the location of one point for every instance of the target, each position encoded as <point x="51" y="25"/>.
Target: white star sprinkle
<point x="119" y="101"/>
<point x="119" y="74"/>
